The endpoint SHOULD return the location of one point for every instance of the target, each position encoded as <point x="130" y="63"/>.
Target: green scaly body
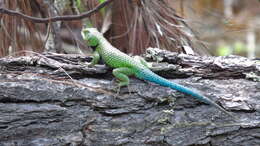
<point x="125" y="66"/>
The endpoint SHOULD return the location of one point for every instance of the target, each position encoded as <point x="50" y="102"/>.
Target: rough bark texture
<point x="41" y="105"/>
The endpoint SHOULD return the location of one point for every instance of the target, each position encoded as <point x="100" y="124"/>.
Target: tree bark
<point x="41" y="105"/>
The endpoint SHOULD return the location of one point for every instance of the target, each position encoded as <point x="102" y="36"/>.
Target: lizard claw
<point x="90" y="65"/>
<point x="129" y="90"/>
<point x="117" y="90"/>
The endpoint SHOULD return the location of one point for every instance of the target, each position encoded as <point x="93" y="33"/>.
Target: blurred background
<point x="204" y="27"/>
<point x="225" y="26"/>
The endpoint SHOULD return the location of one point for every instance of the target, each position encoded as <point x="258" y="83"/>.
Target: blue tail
<point x="148" y="75"/>
<point x="152" y="77"/>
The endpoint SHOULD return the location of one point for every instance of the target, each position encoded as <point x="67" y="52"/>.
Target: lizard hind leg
<point x="142" y="61"/>
<point x="122" y="75"/>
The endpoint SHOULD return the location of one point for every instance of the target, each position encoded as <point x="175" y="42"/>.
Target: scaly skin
<point x="125" y="66"/>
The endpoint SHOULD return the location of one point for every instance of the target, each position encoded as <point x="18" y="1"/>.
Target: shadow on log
<point x="54" y="99"/>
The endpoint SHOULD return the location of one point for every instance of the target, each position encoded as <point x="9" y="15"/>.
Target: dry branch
<point x="56" y="18"/>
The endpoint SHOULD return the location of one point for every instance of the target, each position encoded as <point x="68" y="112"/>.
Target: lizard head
<point x="90" y="35"/>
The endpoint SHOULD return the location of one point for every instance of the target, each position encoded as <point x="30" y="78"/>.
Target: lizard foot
<point x="118" y="89"/>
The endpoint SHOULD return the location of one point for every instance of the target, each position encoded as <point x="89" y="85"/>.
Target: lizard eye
<point x="92" y="40"/>
<point x="89" y="37"/>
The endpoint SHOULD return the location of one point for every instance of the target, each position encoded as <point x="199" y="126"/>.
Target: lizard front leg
<point x="122" y="74"/>
<point x="96" y="58"/>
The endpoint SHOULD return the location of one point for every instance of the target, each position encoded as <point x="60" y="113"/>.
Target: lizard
<point x="124" y="66"/>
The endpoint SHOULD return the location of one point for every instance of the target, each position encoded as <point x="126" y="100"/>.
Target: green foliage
<point x="103" y="9"/>
<point x="237" y="48"/>
<point x="224" y="50"/>
<point x="101" y="1"/>
<point x="79" y="5"/>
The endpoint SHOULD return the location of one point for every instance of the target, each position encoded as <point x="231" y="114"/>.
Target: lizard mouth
<point x="94" y="47"/>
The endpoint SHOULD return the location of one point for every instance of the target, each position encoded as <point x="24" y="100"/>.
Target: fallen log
<point x="55" y="99"/>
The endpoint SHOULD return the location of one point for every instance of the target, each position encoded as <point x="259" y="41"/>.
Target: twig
<point x="56" y="18"/>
